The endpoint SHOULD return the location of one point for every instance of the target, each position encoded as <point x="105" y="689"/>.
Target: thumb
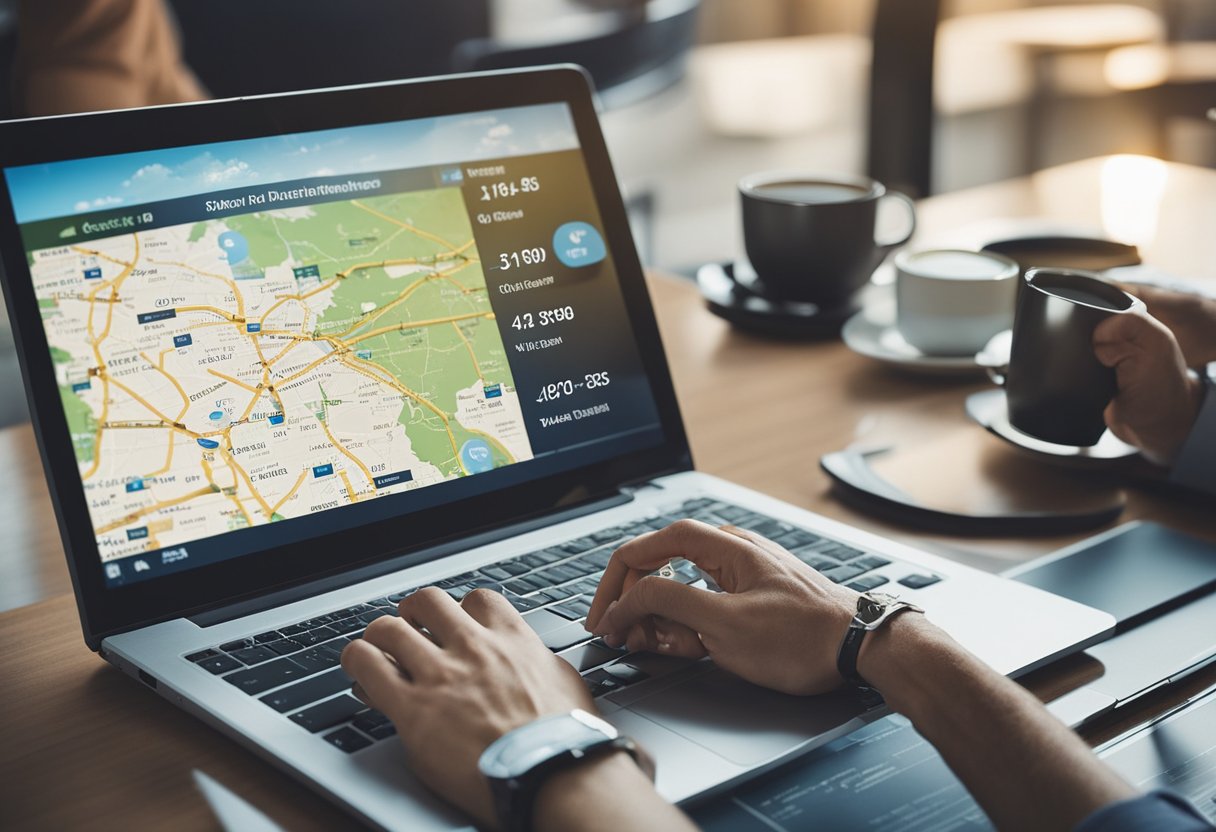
<point x="695" y="608"/>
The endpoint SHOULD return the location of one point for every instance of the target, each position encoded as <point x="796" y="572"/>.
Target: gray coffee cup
<point x="1055" y="387"/>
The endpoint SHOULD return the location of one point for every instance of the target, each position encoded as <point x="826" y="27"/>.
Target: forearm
<point x="604" y="795"/>
<point x="1025" y="769"/>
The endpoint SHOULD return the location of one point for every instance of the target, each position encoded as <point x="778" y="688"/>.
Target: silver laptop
<point x="293" y="357"/>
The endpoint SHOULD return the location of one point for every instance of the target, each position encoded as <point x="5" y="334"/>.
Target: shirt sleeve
<point x="1195" y="466"/>
<point x="1161" y="811"/>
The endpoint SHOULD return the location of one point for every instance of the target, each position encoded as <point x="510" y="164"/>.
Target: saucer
<point x="989" y="411"/>
<point x="872" y="333"/>
<point x="732" y="291"/>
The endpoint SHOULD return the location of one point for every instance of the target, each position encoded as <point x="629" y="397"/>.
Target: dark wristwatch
<point x="518" y="763"/>
<point x="873" y="610"/>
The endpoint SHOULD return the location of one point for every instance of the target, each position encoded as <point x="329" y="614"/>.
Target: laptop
<point x="290" y="358"/>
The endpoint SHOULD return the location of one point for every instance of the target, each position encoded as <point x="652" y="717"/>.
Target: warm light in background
<point x="1132" y="187"/>
<point x="1136" y="67"/>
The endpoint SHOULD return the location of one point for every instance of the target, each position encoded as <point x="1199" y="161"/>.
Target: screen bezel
<point x="105" y="611"/>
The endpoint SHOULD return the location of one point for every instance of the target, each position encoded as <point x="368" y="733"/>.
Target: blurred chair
<point x="8" y="51"/>
<point x="632" y="49"/>
<point x="899" y="138"/>
<point x="247" y="48"/>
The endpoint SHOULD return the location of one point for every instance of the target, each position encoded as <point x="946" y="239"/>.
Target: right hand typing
<point x="778" y="622"/>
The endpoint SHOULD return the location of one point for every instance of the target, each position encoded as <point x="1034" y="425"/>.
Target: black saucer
<point x="734" y="292"/>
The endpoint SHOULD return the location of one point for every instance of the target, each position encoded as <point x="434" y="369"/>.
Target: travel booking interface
<point x="287" y="331"/>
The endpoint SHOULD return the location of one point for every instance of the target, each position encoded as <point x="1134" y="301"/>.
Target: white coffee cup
<point x="950" y="302"/>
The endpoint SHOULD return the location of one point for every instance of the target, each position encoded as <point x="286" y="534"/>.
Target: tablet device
<point x="1134" y="572"/>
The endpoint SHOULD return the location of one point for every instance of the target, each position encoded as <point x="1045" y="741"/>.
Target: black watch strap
<point x="846" y="658"/>
<point x="877" y="610"/>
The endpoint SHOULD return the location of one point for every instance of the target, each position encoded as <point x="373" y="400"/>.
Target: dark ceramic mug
<point x="811" y="238"/>
<point x="1055" y="387"/>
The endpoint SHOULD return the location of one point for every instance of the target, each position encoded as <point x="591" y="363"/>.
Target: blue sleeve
<point x="1195" y="466"/>
<point x="1160" y="811"/>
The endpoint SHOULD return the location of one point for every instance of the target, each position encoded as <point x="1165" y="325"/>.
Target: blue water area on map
<point x="216" y="415"/>
<point x="234" y="246"/>
<point x="578" y="244"/>
<point x="209" y="444"/>
<point x="476" y="456"/>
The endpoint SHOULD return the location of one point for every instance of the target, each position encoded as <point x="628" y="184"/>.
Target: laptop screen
<point x="262" y="341"/>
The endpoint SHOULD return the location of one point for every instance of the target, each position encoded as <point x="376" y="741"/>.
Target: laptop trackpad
<point x="744" y="723"/>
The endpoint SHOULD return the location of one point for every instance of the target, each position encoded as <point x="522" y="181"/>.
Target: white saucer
<point x="988" y="409"/>
<point x="872" y="333"/>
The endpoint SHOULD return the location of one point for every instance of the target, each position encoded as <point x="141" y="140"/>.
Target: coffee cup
<point x="951" y="302"/>
<point x="811" y="238"/>
<point x="1055" y="387"/>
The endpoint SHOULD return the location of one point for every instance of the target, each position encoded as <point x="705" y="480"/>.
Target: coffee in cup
<point x="811" y="238"/>
<point x="1055" y="387"/>
<point x="950" y="302"/>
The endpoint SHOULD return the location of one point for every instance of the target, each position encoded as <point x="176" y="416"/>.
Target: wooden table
<point x="82" y="746"/>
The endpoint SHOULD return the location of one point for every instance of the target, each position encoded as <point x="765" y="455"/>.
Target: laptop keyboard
<point x="295" y="670"/>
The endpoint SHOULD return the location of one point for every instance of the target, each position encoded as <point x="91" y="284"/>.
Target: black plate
<point x="733" y="292"/>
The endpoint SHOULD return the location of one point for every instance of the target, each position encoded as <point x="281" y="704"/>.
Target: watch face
<point x="871" y="605"/>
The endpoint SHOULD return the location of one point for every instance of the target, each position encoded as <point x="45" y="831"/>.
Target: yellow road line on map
<point x="236" y="466"/>
<point x="426" y="234"/>
<point x="142" y="401"/>
<point x="240" y="301"/>
<point x="232" y="380"/>
<point x="102" y="255"/>
<point x="469" y="347"/>
<point x="168" y="459"/>
<point x="173" y="381"/>
<point x="135" y="515"/>
<point x="350" y="492"/>
<point x="405" y="391"/>
<point x="342" y="450"/>
<point x="291" y="493"/>
<point x="416" y="324"/>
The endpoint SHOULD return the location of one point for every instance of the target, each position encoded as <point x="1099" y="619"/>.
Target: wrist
<point x="566" y="796"/>
<point x="893" y="657"/>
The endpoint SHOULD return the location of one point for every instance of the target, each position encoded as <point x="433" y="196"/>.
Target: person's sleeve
<point x="1195" y="466"/>
<point x="1160" y="811"/>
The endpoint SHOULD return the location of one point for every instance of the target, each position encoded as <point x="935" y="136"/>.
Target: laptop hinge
<point x="280" y="598"/>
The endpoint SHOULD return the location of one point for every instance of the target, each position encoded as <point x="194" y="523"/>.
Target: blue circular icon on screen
<point x="476" y="456"/>
<point x="216" y="415"/>
<point x="234" y="246"/>
<point x="578" y="244"/>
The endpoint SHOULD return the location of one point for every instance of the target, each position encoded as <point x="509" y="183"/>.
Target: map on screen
<point x="290" y="379"/>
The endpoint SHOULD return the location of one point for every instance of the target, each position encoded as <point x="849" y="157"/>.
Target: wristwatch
<point x="873" y="610"/>
<point x="518" y="763"/>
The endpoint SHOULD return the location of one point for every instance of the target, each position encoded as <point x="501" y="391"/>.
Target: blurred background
<point x="929" y="96"/>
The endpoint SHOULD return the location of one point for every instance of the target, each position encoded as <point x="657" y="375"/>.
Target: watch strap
<point x="850" y="648"/>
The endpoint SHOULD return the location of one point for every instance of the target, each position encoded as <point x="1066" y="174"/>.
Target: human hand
<point x="1157" y="399"/>
<point x="479" y="674"/>
<point x="778" y="623"/>
<point x="1191" y="318"/>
